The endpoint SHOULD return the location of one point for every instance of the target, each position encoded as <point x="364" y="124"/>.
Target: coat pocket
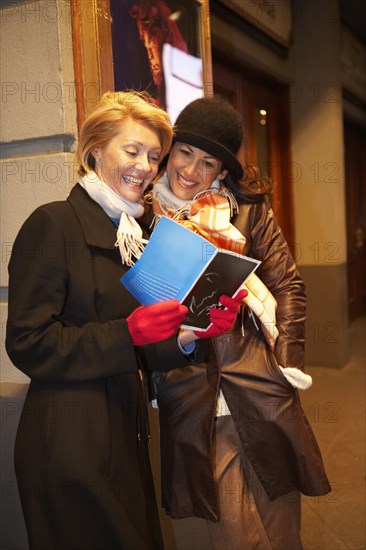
<point x="277" y="374"/>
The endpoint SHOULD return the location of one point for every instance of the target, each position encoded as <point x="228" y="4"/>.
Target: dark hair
<point x="252" y="187"/>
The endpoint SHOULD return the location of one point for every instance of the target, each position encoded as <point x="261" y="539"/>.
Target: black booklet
<point x="179" y="264"/>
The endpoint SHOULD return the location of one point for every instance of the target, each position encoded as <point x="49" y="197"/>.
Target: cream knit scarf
<point x="129" y="233"/>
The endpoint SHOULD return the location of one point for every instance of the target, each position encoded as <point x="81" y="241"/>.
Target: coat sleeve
<point x="166" y="355"/>
<point x="279" y="273"/>
<point x="38" y="341"/>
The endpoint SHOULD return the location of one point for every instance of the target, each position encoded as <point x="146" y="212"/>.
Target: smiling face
<point x="129" y="161"/>
<point x="191" y="170"/>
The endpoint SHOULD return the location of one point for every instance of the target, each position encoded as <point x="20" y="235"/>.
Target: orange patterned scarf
<point x="209" y="214"/>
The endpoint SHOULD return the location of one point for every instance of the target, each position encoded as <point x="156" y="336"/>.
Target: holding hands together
<point x="157" y="322"/>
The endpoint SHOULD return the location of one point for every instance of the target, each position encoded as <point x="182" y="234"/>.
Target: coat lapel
<point x="98" y="228"/>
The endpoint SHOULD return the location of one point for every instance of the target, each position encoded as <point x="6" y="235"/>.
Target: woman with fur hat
<point x="236" y="447"/>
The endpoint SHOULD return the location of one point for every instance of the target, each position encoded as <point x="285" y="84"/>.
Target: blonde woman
<point x="81" y="454"/>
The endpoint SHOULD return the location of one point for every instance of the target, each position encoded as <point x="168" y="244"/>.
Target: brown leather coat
<point x="266" y="409"/>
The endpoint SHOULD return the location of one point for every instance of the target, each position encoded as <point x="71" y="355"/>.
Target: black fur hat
<point x="213" y="125"/>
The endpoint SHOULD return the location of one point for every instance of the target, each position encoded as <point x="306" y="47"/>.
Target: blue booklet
<point x="178" y="264"/>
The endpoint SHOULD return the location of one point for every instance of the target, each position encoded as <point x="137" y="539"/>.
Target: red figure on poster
<point x="156" y="25"/>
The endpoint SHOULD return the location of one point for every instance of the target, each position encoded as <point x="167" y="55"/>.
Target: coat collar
<point x="98" y="228"/>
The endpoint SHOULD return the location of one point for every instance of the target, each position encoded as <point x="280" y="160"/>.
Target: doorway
<point x="264" y="107"/>
<point x="355" y="178"/>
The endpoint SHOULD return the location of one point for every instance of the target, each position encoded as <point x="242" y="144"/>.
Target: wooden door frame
<point x="281" y="166"/>
<point x="92" y="50"/>
<point x="355" y="187"/>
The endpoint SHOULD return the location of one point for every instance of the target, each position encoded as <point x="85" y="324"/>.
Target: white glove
<point x="297" y="378"/>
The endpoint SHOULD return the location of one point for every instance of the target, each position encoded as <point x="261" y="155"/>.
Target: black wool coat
<point x="81" y="452"/>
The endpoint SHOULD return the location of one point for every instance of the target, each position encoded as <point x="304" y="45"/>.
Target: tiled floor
<point x="335" y="406"/>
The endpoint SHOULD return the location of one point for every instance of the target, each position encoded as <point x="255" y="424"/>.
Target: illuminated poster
<point x="157" y="46"/>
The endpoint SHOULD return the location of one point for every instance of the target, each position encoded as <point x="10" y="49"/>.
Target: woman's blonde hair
<point x="105" y="123"/>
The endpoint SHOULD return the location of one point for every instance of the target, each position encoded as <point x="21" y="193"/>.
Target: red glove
<point x="223" y="319"/>
<point x="150" y="324"/>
